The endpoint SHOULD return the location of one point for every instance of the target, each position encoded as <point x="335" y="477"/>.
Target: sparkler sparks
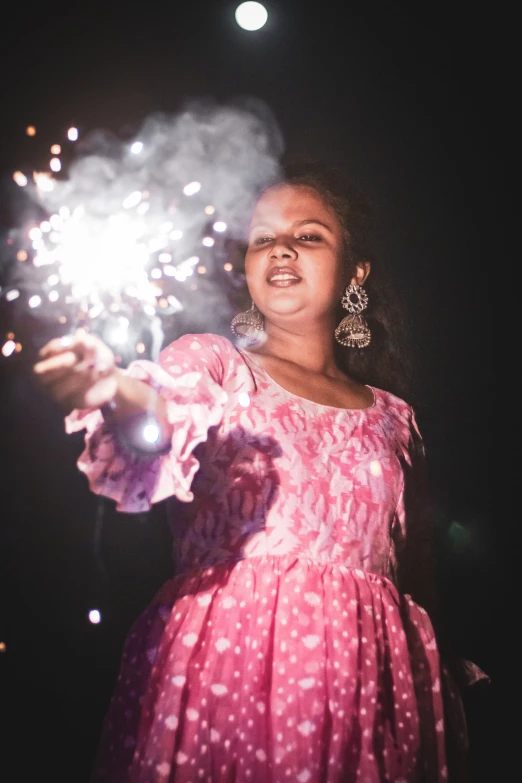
<point x="123" y="221"/>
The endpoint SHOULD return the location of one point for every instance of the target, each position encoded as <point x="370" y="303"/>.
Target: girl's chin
<point x="282" y="309"/>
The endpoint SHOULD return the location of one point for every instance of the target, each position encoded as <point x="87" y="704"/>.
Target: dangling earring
<point x="353" y="330"/>
<point x="249" y="324"/>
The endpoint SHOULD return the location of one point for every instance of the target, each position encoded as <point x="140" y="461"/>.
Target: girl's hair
<point x="386" y="361"/>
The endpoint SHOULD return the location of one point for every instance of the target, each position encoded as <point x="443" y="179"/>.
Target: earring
<point x="353" y="330"/>
<point x="249" y="324"/>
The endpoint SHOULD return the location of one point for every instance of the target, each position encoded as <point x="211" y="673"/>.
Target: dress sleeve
<point x="189" y="376"/>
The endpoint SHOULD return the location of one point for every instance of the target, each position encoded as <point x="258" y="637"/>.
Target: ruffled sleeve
<point x="188" y="377"/>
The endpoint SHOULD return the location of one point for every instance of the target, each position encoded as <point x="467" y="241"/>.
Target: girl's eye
<point x="260" y="240"/>
<point x="310" y="238"/>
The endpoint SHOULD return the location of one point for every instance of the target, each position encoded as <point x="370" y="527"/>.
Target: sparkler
<point x="129" y="225"/>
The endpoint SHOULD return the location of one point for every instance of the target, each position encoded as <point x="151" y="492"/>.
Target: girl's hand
<point x="78" y="371"/>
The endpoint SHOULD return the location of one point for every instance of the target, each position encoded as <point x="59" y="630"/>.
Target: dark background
<point x="399" y="96"/>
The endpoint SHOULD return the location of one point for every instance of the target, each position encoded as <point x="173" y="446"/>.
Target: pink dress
<point x="282" y="650"/>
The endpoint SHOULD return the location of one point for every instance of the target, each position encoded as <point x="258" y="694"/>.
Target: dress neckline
<point x="290" y="394"/>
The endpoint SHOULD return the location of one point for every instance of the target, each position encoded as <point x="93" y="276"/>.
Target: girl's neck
<point x="312" y="351"/>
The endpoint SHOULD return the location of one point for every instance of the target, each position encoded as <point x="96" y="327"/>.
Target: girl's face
<point x="294" y="266"/>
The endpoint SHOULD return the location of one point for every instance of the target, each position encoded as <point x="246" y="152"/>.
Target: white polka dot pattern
<point x="282" y="650"/>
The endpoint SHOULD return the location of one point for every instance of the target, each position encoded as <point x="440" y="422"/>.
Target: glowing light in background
<point x="8" y="347"/>
<point x="192" y="188"/>
<point x="30" y="130"/>
<point x="116" y="233"/>
<point x="20" y="179"/>
<point x="132" y="200"/>
<point x="43" y="181"/>
<point x="3" y="647"/>
<point x="119" y="332"/>
<point x="228" y="266"/>
<point x="251" y="16"/>
<point x="94" y="616"/>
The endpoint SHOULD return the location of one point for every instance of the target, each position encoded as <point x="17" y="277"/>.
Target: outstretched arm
<point x="80" y="373"/>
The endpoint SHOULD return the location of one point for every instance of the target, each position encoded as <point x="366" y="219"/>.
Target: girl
<point x="293" y="643"/>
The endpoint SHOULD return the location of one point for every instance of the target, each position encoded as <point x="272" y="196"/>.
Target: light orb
<point x="8" y="348"/>
<point x="94" y="616"/>
<point x="244" y="399"/>
<point x="151" y="433"/>
<point x="251" y="16"/>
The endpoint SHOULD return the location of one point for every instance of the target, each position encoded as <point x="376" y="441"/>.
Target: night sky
<point x="390" y="93"/>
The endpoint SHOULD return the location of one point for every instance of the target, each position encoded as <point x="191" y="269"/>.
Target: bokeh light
<point x="94" y="616"/>
<point x="20" y="179"/>
<point x="251" y="16"/>
<point x="151" y="433"/>
<point x="8" y="348"/>
<point x="192" y="188"/>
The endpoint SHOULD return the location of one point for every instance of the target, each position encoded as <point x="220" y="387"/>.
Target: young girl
<point x="293" y="643"/>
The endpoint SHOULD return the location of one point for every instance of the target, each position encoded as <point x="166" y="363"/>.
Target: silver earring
<point x="353" y="330"/>
<point x="249" y="324"/>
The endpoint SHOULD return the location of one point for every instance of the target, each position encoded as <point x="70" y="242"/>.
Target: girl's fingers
<point x="73" y="389"/>
<point x="82" y="346"/>
<point x="101" y="393"/>
<point x="58" y="345"/>
<point x="57" y="362"/>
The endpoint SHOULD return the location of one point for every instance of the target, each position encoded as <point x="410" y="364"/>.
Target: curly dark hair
<point x="387" y="362"/>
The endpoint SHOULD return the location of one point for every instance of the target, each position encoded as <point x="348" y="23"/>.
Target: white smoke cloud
<point x="120" y="203"/>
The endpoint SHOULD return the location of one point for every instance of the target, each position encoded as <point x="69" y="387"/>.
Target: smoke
<point x="133" y="221"/>
<point x="232" y="150"/>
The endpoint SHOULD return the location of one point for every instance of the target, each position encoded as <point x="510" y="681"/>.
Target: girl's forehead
<point x="300" y="202"/>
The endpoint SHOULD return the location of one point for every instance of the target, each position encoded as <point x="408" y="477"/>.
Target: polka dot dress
<point x="282" y="650"/>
